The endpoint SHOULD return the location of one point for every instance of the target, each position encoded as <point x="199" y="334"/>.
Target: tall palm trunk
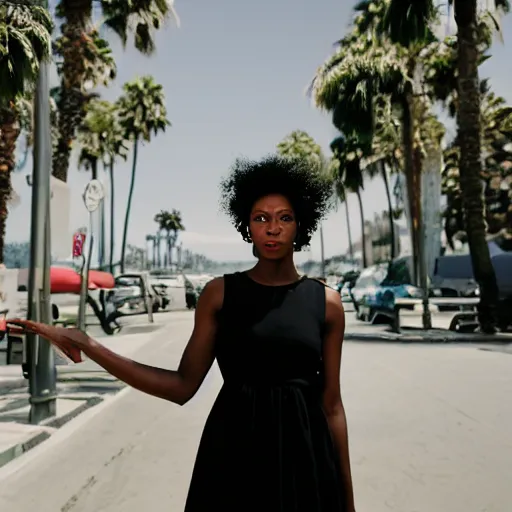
<point x="349" y="231"/>
<point x="9" y="132"/>
<point x="390" y="209"/>
<point x="112" y="211"/>
<point x="159" y="249"/>
<point x="169" y="249"/>
<point x="129" y="204"/>
<point x="154" y="252"/>
<point x="470" y="166"/>
<point x="363" y="234"/>
<point x="413" y="183"/>
<point x="71" y="107"/>
<point x="413" y="167"/>
<point x="170" y="246"/>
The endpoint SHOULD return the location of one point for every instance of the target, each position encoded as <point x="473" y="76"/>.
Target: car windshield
<point x="372" y="276"/>
<point x="398" y="274"/>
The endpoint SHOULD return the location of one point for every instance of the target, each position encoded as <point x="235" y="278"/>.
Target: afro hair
<point x="308" y="191"/>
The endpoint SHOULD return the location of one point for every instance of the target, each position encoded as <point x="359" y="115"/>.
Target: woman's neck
<point x="274" y="272"/>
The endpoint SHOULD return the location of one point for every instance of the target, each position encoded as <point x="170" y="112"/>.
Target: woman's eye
<point x="287" y="218"/>
<point x="259" y="218"/>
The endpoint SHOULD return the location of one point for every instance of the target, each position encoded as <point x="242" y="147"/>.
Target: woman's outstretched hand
<point x="71" y="342"/>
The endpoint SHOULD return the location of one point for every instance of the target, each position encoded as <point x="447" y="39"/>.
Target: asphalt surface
<point x="429" y="430"/>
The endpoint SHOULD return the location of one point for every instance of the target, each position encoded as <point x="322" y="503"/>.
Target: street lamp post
<point x="41" y="361"/>
<point x="322" y="253"/>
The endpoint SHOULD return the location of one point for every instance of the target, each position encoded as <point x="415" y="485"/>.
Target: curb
<point x="439" y="338"/>
<point x="17" y="450"/>
<point x="8" y="384"/>
<point x="62" y="420"/>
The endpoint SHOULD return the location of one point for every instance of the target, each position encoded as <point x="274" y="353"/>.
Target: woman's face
<point x="273" y="226"/>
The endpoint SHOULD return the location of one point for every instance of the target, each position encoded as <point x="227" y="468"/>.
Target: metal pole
<point x="84" y="284"/>
<point x="423" y="274"/>
<point x="42" y="372"/>
<point x="322" y="254"/>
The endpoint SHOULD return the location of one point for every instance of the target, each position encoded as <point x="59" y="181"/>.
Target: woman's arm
<point x="176" y="386"/>
<point x="332" y="403"/>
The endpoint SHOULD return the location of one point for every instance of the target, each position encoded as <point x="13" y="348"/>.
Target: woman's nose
<point x="273" y="228"/>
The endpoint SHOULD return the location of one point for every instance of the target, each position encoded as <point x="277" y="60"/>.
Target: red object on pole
<point x="78" y="244"/>
<point x="67" y="280"/>
<point x="102" y="279"/>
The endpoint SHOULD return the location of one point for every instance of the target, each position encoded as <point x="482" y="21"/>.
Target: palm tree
<point x="171" y="223"/>
<point x="363" y="72"/>
<point x="409" y="21"/>
<point x="84" y="58"/>
<point x="142" y="114"/>
<point x="161" y="219"/>
<point x="174" y="226"/>
<point x="151" y="257"/>
<point x="368" y="68"/>
<point x="101" y="141"/>
<point x="25" y="40"/>
<point x="494" y="115"/>
<point x="299" y="145"/>
<point x="348" y="176"/>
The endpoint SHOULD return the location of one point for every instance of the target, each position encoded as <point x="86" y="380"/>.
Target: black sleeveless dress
<point x="266" y="446"/>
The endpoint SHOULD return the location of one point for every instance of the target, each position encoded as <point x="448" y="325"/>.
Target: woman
<point x="276" y="437"/>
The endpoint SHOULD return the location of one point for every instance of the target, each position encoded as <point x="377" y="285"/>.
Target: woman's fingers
<point x="17" y="331"/>
<point x="32" y="327"/>
<point x="27" y="325"/>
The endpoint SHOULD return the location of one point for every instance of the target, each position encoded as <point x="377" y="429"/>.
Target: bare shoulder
<point x="212" y="295"/>
<point x="334" y="307"/>
<point x="334" y="312"/>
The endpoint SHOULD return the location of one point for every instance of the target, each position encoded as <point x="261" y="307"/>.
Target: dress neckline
<point x="288" y="285"/>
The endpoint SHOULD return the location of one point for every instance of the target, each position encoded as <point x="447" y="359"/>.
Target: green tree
<point x="347" y="176"/>
<point x="25" y="40"/>
<point x="409" y="22"/>
<point x="85" y="60"/>
<point x="171" y="223"/>
<point x="142" y="114"/>
<point x="366" y="70"/>
<point x="495" y="172"/>
<point x="299" y="145"/>
<point x="101" y="140"/>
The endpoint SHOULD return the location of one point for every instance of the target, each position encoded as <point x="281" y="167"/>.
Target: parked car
<point x="129" y="295"/>
<point x="377" y="287"/>
<point x="453" y="275"/>
<point x="344" y="291"/>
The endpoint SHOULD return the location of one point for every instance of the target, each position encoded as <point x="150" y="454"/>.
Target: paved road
<point x="429" y="427"/>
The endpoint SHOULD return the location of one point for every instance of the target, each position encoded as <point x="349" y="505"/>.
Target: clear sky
<point x="234" y="75"/>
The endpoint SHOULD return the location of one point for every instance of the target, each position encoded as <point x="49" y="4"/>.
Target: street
<point x="429" y="431"/>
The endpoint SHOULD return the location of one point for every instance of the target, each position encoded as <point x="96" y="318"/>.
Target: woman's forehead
<point x="272" y="202"/>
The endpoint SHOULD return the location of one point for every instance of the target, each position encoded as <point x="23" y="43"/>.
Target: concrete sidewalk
<point x="412" y="332"/>
<point x="79" y="387"/>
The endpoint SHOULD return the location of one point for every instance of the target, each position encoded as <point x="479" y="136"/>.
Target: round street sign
<point x="93" y="195"/>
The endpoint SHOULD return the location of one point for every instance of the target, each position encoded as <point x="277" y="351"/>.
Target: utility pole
<point x="93" y="196"/>
<point x="322" y="252"/>
<point x="41" y="360"/>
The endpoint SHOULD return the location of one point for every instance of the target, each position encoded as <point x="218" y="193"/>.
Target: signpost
<point x="40" y="355"/>
<point x="78" y="244"/>
<point x="93" y="196"/>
